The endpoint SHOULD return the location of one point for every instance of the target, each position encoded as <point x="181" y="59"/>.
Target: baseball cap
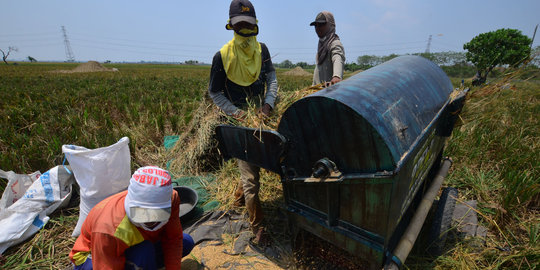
<point x="242" y="10"/>
<point x="149" y="195"/>
<point x="319" y="19"/>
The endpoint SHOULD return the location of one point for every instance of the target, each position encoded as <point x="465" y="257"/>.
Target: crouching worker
<point x="134" y="229"/>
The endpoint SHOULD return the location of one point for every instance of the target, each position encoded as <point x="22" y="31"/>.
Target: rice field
<point x="495" y="148"/>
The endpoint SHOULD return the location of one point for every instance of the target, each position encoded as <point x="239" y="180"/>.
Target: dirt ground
<point x="297" y="71"/>
<point x="218" y="256"/>
<point x="310" y="252"/>
<point x="90" y="66"/>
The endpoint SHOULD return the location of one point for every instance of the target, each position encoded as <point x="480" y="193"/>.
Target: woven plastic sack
<point x="99" y="172"/>
<point x="16" y="186"/>
<point x="20" y="220"/>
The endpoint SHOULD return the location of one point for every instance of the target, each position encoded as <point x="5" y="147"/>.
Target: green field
<point x="495" y="148"/>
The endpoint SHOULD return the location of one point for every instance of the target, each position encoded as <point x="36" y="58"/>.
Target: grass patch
<point x="496" y="154"/>
<point x="49" y="248"/>
<point x="43" y="110"/>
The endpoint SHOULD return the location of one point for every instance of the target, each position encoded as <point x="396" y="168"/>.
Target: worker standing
<point x="330" y="58"/>
<point x="134" y="229"/>
<point x="242" y="70"/>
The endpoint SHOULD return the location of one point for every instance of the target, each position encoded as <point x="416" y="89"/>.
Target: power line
<point x="442" y="47"/>
<point x="18" y="41"/>
<point x="137" y="52"/>
<point x="191" y="51"/>
<point x="163" y="46"/>
<point x="385" y="44"/>
<point x="454" y="46"/>
<point x="131" y="41"/>
<point x="26" y="35"/>
<point x="386" y="49"/>
<point x="42" y="45"/>
<point x="353" y="45"/>
<point x="134" y="46"/>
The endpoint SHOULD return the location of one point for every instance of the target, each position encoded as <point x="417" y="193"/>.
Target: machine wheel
<point x="442" y="222"/>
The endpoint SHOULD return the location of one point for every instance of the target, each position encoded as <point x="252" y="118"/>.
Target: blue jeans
<point x="145" y="255"/>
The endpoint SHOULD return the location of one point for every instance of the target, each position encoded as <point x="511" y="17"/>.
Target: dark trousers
<point x="145" y="255"/>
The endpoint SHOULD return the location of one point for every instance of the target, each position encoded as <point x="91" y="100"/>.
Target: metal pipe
<point x="406" y="242"/>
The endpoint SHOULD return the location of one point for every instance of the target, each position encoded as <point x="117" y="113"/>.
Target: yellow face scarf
<point x="242" y="59"/>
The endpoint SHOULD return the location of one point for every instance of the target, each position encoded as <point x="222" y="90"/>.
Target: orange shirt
<point x="107" y="233"/>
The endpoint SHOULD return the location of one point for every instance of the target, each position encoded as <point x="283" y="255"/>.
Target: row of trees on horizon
<point x="503" y="47"/>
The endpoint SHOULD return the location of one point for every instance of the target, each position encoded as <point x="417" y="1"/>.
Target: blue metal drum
<point x="354" y="157"/>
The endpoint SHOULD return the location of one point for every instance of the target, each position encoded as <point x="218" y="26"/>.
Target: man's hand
<point x="334" y="80"/>
<point x="266" y="109"/>
<point x="239" y="115"/>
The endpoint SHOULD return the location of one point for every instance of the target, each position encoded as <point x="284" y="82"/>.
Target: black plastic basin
<point x="188" y="199"/>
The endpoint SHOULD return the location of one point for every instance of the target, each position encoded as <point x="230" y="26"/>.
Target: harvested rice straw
<point x="455" y="93"/>
<point x="499" y="84"/>
<point x="254" y="119"/>
<point x="189" y="156"/>
<point x="228" y="174"/>
<point x="196" y="147"/>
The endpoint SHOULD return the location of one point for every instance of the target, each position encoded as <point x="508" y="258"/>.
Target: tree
<point x="367" y="61"/>
<point x="429" y="56"/>
<point x="5" y="55"/>
<point x="31" y="59"/>
<point x="352" y="66"/>
<point x="286" y="64"/>
<point x="302" y="64"/>
<point x="500" y="47"/>
<point x="389" y="57"/>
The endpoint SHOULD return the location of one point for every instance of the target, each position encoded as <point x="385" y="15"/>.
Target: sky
<point x="177" y="31"/>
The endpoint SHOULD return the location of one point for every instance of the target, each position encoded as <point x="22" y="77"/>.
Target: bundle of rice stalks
<point x="196" y="150"/>
<point x="254" y="119"/>
<point x="228" y="176"/>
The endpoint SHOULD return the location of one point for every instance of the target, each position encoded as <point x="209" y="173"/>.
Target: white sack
<point x="99" y="172"/>
<point x="16" y="186"/>
<point x="27" y="215"/>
